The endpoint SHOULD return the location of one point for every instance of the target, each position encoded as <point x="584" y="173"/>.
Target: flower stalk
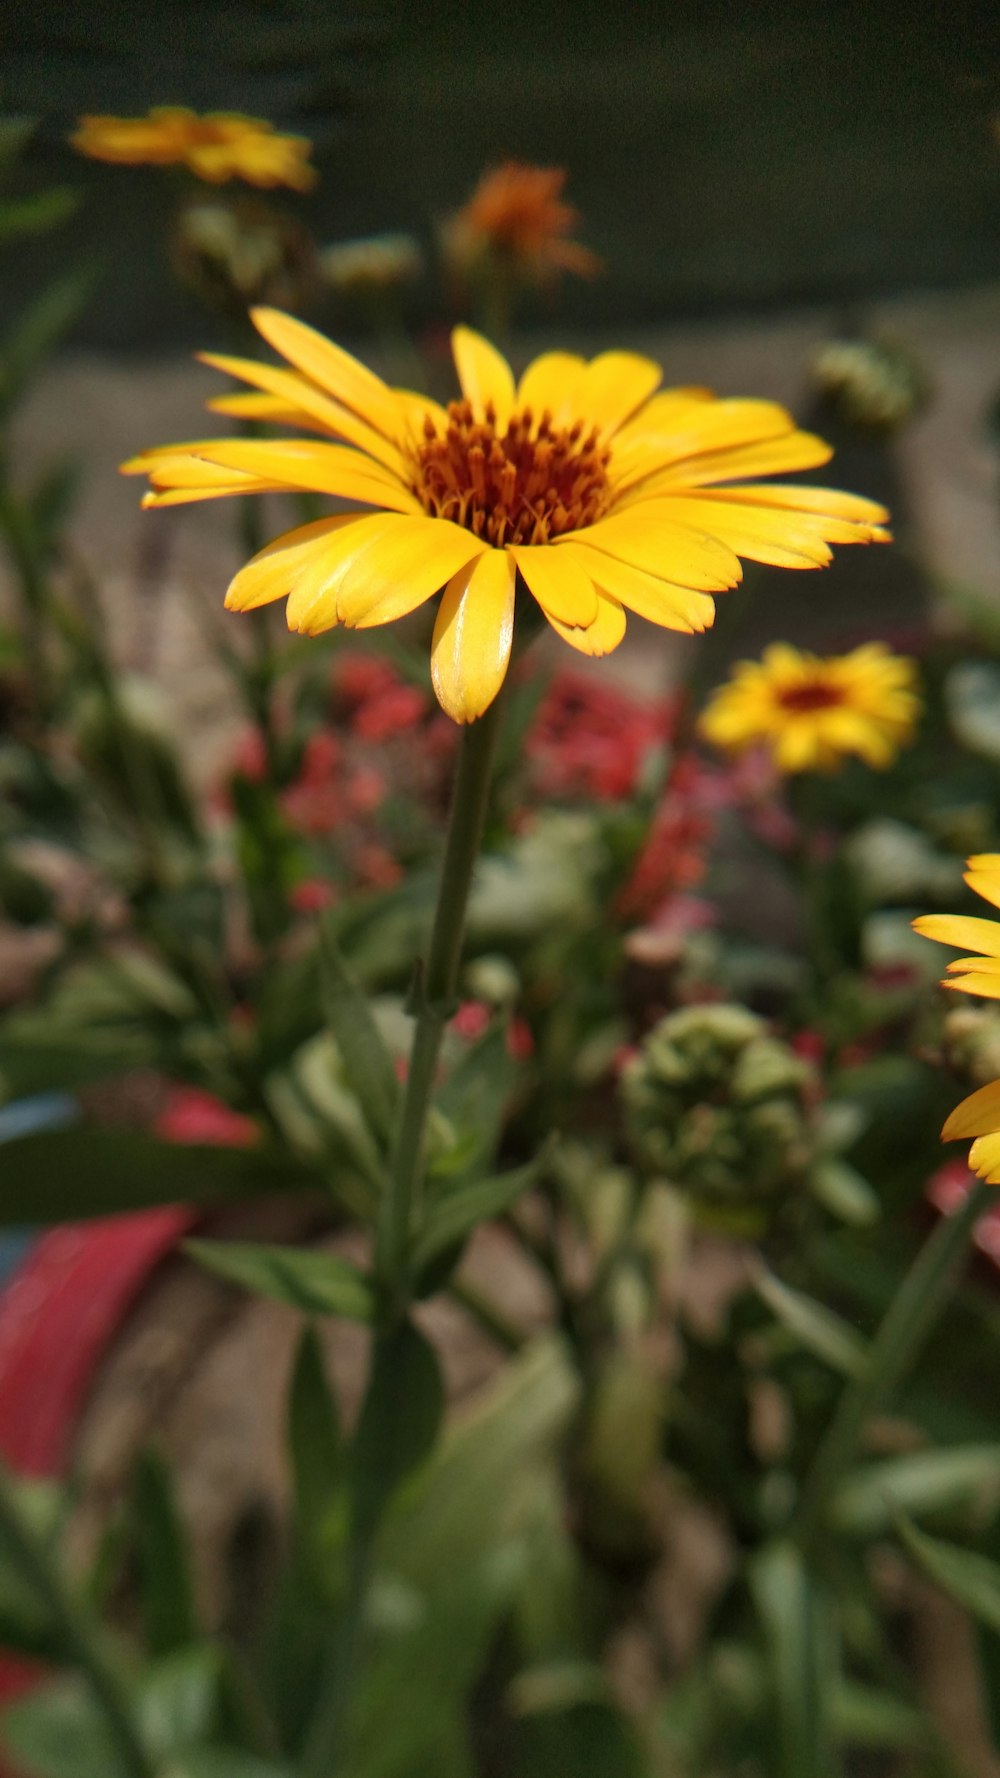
<point x="433" y="1002"/>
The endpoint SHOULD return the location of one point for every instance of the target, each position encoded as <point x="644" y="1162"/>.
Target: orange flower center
<point x="812" y="694"/>
<point x="525" y="485"/>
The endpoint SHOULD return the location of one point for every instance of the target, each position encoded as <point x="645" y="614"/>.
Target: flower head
<point x="579" y="485"/>
<point x="516" y="215"/>
<point x="979" y="974"/>
<point x="812" y="711"/>
<point x="220" y="146"/>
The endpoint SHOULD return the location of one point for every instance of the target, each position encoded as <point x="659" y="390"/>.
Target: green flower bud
<point x="875" y="384"/>
<point x="719" y="1108"/>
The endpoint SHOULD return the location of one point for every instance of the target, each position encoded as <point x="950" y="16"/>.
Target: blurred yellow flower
<point x="579" y="483"/>
<point x="979" y="974"/>
<point x="516" y="213"/>
<point x="219" y="146"/>
<point x="979" y="1116"/>
<point x="811" y="711"/>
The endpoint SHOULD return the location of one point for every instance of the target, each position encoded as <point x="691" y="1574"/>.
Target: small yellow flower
<point x="980" y="974"/>
<point x="979" y="1116"/>
<point x="578" y="485"/>
<point x="217" y="147"/>
<point x="813" y="711"/>
<point x="516" y="213"/>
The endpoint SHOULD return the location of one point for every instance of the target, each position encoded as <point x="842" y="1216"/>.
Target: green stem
<point x="434" y="997"/>
<point x="907" y="1324"/>
<point x="73" y="1630"/>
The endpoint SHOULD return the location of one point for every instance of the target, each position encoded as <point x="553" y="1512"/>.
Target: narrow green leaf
<point x="798" y="1627"/>
<point x="971" y="1579"/>
<point x="314" y="1282"/>
<point x="919" y="1482"/>
<point x="166" y="1586"/>
<point x="36" y="214"/>
<point x="39" y="331"/>
<point x="62" y="1175"/>
<point x="316" y="1446"/>
<point x="474" y="1099"/>
<point x="814" y="1326"/>
<point x="399" y="1421"/>
<point x="452" y="1217"/>
<point x="367" y="1063"/>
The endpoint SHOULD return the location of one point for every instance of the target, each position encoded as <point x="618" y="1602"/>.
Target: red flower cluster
<point x="592" y="742"/>
<point x="192" y="1115"/>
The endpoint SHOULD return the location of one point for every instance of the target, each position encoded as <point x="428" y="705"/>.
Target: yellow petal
<point x="561" y="585"/>
<point x="484" y="375"/>
<point x="648" y="537"/>
<point x="273" y="572"/>
<point x="331" y="367"/>
<point x="402" y="568"/>
<point x="978" y="1115"/>
<point x="296" y="392"/>
<point x="853" y="507"/>
<point x="319" y="468"/>
<point x="790" y="451"/>
<point x="978" y="982"/>
<point x="473" y="632"/>
<point x="984" y="1158"/>
<point x="982" y="873"/>
<point x="659" y="601"/>
<point x="603" y="635"/>
<point x="760" y="536"/>
<point x="248" y="405"/>
<point x="549" y="386"/>
<point x="964" y="931"/>
<point x="188" y="496"/>
<point x="611" y="388"/>
<point x="312" y="601"/>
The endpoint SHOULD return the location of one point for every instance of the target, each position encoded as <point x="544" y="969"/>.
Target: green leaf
<point x="226" y="1762"/>
<point x="166" y="1586"/>
<point x="36" y="214"/>
<point x="367" y="1064"/>
<point x="399" y="1421"/>
<point x="315" y="1283"/>
<point x="589" y="1740"/>
<point x="474" y="1099"/>
<point x="454" y="1215"/>
<point x="316" y="1449"/>
<point x="40" y="330"/>
<point x="814" y="1326"/>
<point x="57" y="1733"/>
<point x="797" y="1623"/>
<point x="920" y="1482"/>
<point x="971" y="1579"/>
<point x="63" y="1175"/>
<point x="177" y="1701"/>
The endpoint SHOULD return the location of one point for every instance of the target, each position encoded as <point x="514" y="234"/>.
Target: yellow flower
<point x="219" y="146"/>
<point x="580" y="483"/>
<point x="979" y="1116"/>
<point x="980" y="974"/>
<point x="516" y="212"/>
<point x="812" y="711"/>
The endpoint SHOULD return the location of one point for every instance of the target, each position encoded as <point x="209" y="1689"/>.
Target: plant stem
<point x="908" y="1322"/>
<point x="74" y="1631"/>
<point x="433" y="1001"/>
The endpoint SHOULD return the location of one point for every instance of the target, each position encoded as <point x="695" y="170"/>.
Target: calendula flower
<point x="979" y="974"/>
<point x="516" y="214"/>
<point x="579" y="483"/>
<point x="811" y="712"/>
<point x="978" y="1115"/>
<point x="219" y="146"/>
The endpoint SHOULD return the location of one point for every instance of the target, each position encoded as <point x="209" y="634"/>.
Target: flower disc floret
<point x="582" y="485"/>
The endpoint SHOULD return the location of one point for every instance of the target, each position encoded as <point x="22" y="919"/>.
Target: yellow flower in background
<point x="517" y="213"/>
<point x="811" y="711"/>
<point x="217" y="147"/>
<point x="979" y="974"/>
<point x="579" y="482"/>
